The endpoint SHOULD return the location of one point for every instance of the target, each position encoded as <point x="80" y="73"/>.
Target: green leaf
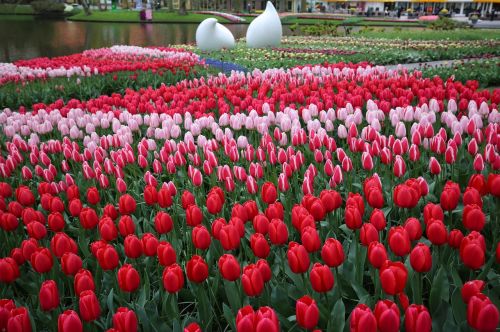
<point x="109" y="300"/>
<point x="458" y="306"/>
<point x="228" y="314"/>
<point x="232" y="296"/>
<point x="337" y="318"/>
<point x="439" y="291"/>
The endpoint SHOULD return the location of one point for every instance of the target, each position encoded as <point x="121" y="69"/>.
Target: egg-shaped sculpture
<point x="213" y="36"/>
<point x="265" y="30"/>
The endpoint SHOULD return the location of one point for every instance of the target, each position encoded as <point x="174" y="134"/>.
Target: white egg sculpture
<point x="265" y="30"/>
<point x="213" y="36"/>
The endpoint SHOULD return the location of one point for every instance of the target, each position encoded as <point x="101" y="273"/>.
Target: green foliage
<point x="47" y="7"/>
<point x="443" y="23"/>
<point x="14" y="9"/>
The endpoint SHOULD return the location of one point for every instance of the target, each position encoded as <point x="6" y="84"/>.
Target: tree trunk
<point x="86" y="7"/>
<point x="303" y="6"/>
<point x="182" y="7"/>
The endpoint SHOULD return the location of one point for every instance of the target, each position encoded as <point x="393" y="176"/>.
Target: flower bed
<point x="98" y="62"/>
<point x="331" y="197"/>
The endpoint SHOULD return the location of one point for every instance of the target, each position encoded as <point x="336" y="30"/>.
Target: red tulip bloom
<point x="332" y="252"/>
<point x="166" y="253"/>
<point x="163" y="222"/>
<point x="252" y="281"/>
<point x="306" y="312"/>
<point x="436" y="232"/>
<point x="201" y="237"/>
<point x="310" y="239"/>
<point x="214" y="203"/>
<point x="24" y="196"/>
<point x="278" y="232"/>
<point x="298" y="258"/>
<point x="377" y="254"/>
<point x="107" y="257"/>
<point x="9" y="270"/>
<point x="126" y="226"/>
<point x="56" y="222"/>
<point x="19" y="320"/>
<point x="93" y="196"/>
<point x="471" y="288"/>
<point x="421" y="258"/>
<point x="187" y="199"/>
<point x="399" y="241"/>
<point x="150" y="195"/>
<point x="269" y="193"/>
<point x="393" y="277"/>
<point x="363" y="319"/>
<point x="259" y="245"/>
<point x="455" y="238"/>
<point x="128" y="278"/>
<point x="90" y="309"/>
<point x="229" y="237"/>
<point x="41" y="260"/>
<point x="472" y="196"/>
<point x="387" y="315"/>
<point x="107" y="229"/>
<point x="229" y="267"/>
<point x="69" y="321"/>
<point x="133" y="246"/>
<point x="482" y="314"/>
<point x="194" y="215"/>
<point x="450" y="196"/>
<point x="125" y="320"/>
<point x="71" y="263"/>
<point x="473" y="217"/>
<point x="260" y="223"/>
<point x="193" y="327"/>
<point x="473" y="250"/>
<point x="83" y="281"/>
<point x="405" y="196"/>
<point x="321" y="278"/>
<point x="432" y="211"/>
<point x="417" y="319"/>
<point x="49" y="295"/>
<point x="197" y="269"/>
<point x="149" y="244"/>
<point x="88" y="218"/>
<point x="127" y="204"/>
<point x="173" y="278"/>
<point x="353" y="217"/>
<point x="331" y="200"/>
<point x="368" y="234"/>
<point x="413" y="228"/>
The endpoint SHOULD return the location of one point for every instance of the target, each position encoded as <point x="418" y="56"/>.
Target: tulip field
<point x="327" y="197"/>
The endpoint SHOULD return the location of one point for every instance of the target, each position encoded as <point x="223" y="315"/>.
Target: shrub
<point x="45" y="7"/>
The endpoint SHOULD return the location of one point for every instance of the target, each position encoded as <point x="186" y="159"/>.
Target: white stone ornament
<point x="213" y="36"/>
<point x="265" y="30"/>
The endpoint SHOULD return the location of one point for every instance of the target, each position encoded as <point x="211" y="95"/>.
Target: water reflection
<point x="27" y="38"/>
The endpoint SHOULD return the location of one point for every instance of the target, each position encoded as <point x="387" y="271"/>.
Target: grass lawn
<point x="459" y="34"/>
<point x="13" y="9"/>
<point x="133" y="16"/>
<point x="309" y="21"/>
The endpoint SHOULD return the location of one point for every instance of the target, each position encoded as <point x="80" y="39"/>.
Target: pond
<point x="27" y="37"/>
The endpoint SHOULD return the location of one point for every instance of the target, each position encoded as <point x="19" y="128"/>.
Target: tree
<point x="182" y="7"/>
<point x="303" y="6"/>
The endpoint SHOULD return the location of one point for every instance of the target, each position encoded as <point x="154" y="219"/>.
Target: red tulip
<point x="417" y="319"/>
<point x="298" y="258"/>
<point x="214" y="203"/>
<point x="368" y="234"/>
<point x="9" y="270"/>
<point x="363" y="320"/>
<point x="259" y="245"/>
<point x="421" y="258"/>
<point x="278" y="232"/>
<point x="41" y="260"/>
<point x="482" y="314"/>
<point x="471" y="288"/>
<point x="310" y="239"/>
<point x="149" y="244"/>
<point x="173" y="279"/>
<point x="19" y="320"/>
<point x="455" y="238"/>
<point x="306" y="312"/>
<point x="49" y="295"/>
<point x="193" y="215"/>
<point x="269" y="193"/>
<point x="107" y="257"/>
<point x="473" y="217"/>
<point x="61" y="243"/>
<point x="405" y="196"/>
<point x="252" y="281"/>
<point x="377" y="254"/>
<point x="24" y="196"/>
<point x="197" y="269"/>
<point x="229" y="237"/>
<point x="125" y="320"/>
<point x="413" y="228"/>
<point x="393" y="276"/>
<point x="229" y="267"/>
<point x="265" y="269"/>
<point x="436" y="232"/>
<point x="472" y="196"/>
<point x="150" y="195"/>
<point x="90" y="309"/>
<point x="128" y="278"/>
<point x="321" y="278"/>
<point x="163" y="222"/>
<point x="399" y="241"/>
<point x="472" y="250"/>
<point x="71" y="263"/>
<point x="88" y="218"/>
<point x="69" y="321"/>
<point x="132" y="246"/>
<point x="93" y="196"/>
<point x="193" y="327"/>
<point x="126" y="226"/>
<point x="260" y="223"/>
<point x="450" y="196"/>
<point x="127" y="204"/>
<point x="353" y="217"/>
<point x="200" y="237"/>
<point x="83" y="281"/>
<point x="387" y="315"/>
<point x="432" y="211"/>
<point x="166" y="253"/>
<point x="56" y="222"/>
